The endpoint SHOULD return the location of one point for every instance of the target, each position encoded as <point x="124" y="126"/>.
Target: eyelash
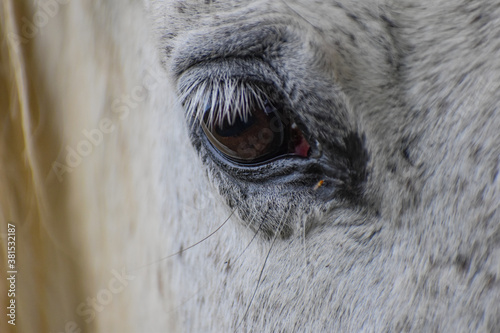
<point x="219" y="101"/>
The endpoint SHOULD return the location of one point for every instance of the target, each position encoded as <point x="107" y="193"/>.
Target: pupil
<point x="258" y="138"/>
<point x="236" y="129"/>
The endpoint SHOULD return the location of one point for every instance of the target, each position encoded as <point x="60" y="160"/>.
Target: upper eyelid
<point x="228" y="65"/>
<point x="229" y="85"/>
<point x="250" y="40"/>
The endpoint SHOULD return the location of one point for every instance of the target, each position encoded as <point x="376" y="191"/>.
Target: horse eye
<point x="258" y="137"/>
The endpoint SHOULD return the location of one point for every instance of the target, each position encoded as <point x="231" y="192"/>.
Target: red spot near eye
<point x="299" y="145"/>
<point x="302" y="148"/>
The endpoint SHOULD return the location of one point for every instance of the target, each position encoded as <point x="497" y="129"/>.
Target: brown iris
<point x="250" y="140"/>
<point x="261" y="136"/>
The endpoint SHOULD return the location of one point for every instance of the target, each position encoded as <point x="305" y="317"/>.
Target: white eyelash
<point x="223" y="100"/>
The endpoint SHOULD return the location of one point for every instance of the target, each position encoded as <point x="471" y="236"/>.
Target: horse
<point x="275" y="166"/>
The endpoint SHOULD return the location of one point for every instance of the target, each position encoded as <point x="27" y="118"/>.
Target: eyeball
<point x="262" y="135"/>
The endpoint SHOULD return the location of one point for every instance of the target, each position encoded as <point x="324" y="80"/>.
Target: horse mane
<point x="69" y="161"/>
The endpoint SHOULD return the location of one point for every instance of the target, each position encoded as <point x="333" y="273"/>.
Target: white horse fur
<point x="126" y="220"/>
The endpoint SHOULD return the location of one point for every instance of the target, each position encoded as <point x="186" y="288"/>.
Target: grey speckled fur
<point x="403" y="99"/>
